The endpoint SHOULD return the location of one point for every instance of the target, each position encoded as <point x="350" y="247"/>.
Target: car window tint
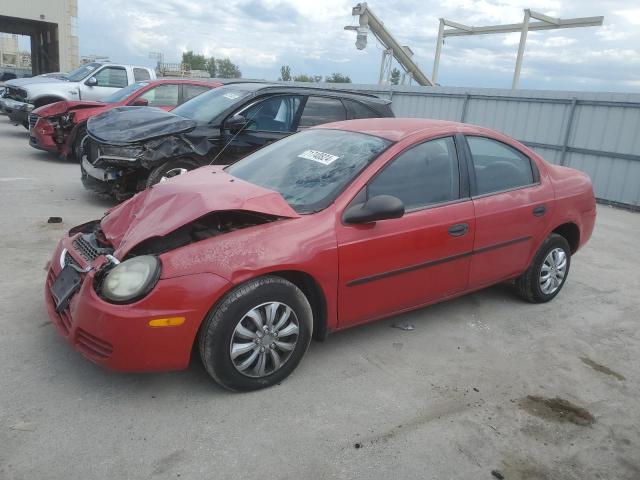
<point x="112" y="77"/>
<point x="498" y="166"/>
<point x="191" y="91"/>
<point x="141" y="74"/>
<point x="421" y="176"/>
<point x="162" y="96"/>
<point x="359" y="110"/>
<point x="275" y="114"/>
<point x="319" y="110"/>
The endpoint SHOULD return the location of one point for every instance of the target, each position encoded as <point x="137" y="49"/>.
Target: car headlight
<point x="131" y="279"/>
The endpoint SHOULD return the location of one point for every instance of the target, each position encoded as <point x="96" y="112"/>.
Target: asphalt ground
<point x="486" y="382"/>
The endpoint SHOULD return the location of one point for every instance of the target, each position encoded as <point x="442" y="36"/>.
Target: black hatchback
<point x="131" y="148"/>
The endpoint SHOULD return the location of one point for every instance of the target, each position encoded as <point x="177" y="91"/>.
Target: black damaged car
<point x="131" y="148"/>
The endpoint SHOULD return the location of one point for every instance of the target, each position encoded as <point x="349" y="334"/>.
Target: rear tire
<point x="548" y="271"/>
<point x="78" y="142"/>
<point x="170" y="169"/>
<point x="232" y="344"/>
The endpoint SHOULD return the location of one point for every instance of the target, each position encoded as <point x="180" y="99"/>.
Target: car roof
<point x="189" y="81"/>
<point x="396" y="129"/>
<point x="308" y="90"/>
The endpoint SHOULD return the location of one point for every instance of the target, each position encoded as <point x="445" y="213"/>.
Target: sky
<point x="309" y="36"/>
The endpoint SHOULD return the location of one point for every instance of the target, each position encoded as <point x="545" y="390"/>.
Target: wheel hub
<point x="553" y="271"/>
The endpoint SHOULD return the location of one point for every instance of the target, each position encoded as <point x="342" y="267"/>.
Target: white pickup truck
<point x="93" y="81"/>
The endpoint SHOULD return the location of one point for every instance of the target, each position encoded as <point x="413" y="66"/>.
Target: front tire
<point x="256" y="336"/>
<point x="548" y="271"/>
<point x="79" y="142"/>
<point x="170" y="169"/>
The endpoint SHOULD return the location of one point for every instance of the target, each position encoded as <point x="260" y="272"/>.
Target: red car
<point x="61" y="127"/>
<point x="328" y="228"/>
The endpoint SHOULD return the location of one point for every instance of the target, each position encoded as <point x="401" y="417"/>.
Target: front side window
<point x="141" y="74"/>
<point x="114" y="77"/>
<point x="319" y="110"/>
<point x="423" y="175"/>
<point x="162" y="96"/>
<point x="123" y="93"/>
<point x="82" y="72"/>
<point x="275" y="114"/>
<point x="498" y="166"/>
<point x="310" y="169"/>
<point x="204" y="108"/>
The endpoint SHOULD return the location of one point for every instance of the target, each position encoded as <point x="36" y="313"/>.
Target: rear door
<point x="512" y="209"/>
<point x="393" y="265"/>
<point x="165" y="96"/>
<point x="268" y="120"/>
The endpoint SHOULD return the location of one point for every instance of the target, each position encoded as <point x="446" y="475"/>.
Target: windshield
<point x="81" y="72"/>
<point x="123" y="93"/>
<point x="311" y="168"/>
<point x="209" y="105"/>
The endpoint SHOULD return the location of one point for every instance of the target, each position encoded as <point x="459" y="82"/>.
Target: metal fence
<point x="598" y="133"/>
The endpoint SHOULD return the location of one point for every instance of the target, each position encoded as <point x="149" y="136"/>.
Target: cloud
<point x="262" y="35"/>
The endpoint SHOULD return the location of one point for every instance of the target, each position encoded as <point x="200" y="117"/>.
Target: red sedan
<point x="329" y="228"/>
<point x="61" y="127"/>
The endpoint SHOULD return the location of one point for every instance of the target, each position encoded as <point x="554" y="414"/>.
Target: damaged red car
<point x="60" y="127"/>
<point x="329" y="228"/>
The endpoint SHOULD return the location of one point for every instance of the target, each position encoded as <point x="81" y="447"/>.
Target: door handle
<point x="539" y="211"/>
<point x="458" y="229"/>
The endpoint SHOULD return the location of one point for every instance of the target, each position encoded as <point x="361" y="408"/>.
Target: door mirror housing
<point x="92" y="82"/>
<point x="235" y="123"/>
<point x="140" y="102"/>
<point x="380" y="207"/>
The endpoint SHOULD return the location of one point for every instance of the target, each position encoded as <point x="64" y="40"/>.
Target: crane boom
<point x="369" y="21"/>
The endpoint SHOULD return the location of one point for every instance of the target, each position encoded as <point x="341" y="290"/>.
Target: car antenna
<point x="235" y="135"/>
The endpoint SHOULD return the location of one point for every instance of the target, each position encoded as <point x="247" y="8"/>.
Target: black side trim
<point x="433" y="263"/>
<point x="501" y="245"/>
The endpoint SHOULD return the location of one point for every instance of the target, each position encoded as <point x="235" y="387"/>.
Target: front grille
<point x="64" y="317"/>
<point x="33" y="118"/>
<point x="16" y="93"/>
<point x="85" y="249"/>
<point x="69" y="260"/>
<point x="93" y="346"/>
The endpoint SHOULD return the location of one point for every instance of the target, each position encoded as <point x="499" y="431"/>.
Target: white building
<point x="51" y="24"/>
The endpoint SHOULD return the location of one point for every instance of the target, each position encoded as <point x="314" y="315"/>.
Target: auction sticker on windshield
<point x="231" y="95"/>
<point x="320" y="157"/>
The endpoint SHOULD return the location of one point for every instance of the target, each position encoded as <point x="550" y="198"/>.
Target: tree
<point x="285" y="73"/>
<point x="212" y="67"/>
<point x="227" y="69"/>
<point x="304" y="78"/>
<point x="395" y="76"/>
<point x="337" y="78"/>
<point x="194" y="61"/>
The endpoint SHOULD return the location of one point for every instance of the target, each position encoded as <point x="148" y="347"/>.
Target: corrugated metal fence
<point x="598" y="133"/>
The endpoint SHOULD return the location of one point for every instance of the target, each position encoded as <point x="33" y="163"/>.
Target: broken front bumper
<point x="120" y="337"/>
<point x="18" y="111"/>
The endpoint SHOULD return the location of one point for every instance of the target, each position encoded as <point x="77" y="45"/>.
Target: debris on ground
<point x="403" y="326"/>
<point x="498" y="474"/>
<point x="54" y="220"/>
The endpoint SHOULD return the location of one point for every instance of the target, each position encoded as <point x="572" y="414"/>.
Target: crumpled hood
<point x="60" y="108"/>
<point x="167" y="206"/>
<point x="126" y="125"/>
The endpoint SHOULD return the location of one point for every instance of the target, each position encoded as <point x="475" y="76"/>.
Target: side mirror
<point x="235" y="123"/>
<point x="380" y="207"/>
<point x="92" y="82"/>
<point x="140" y="102"/>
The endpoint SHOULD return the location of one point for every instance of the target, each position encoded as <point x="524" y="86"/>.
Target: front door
<point x="268" y="120"/>
<point x="110" y="80"/>
<point x="394" y="265"/>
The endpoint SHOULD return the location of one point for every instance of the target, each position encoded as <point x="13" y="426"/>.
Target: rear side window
<point x="319" y="110"/>
<point x="498" y="166"/>
<point x="162" y="95"/>
<point x="141" y="74"/>
<point x="423" y="175"/>
<point x="115" y="77"/>
<point x="191" y="91"/>
<point x="359" y="110"/>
